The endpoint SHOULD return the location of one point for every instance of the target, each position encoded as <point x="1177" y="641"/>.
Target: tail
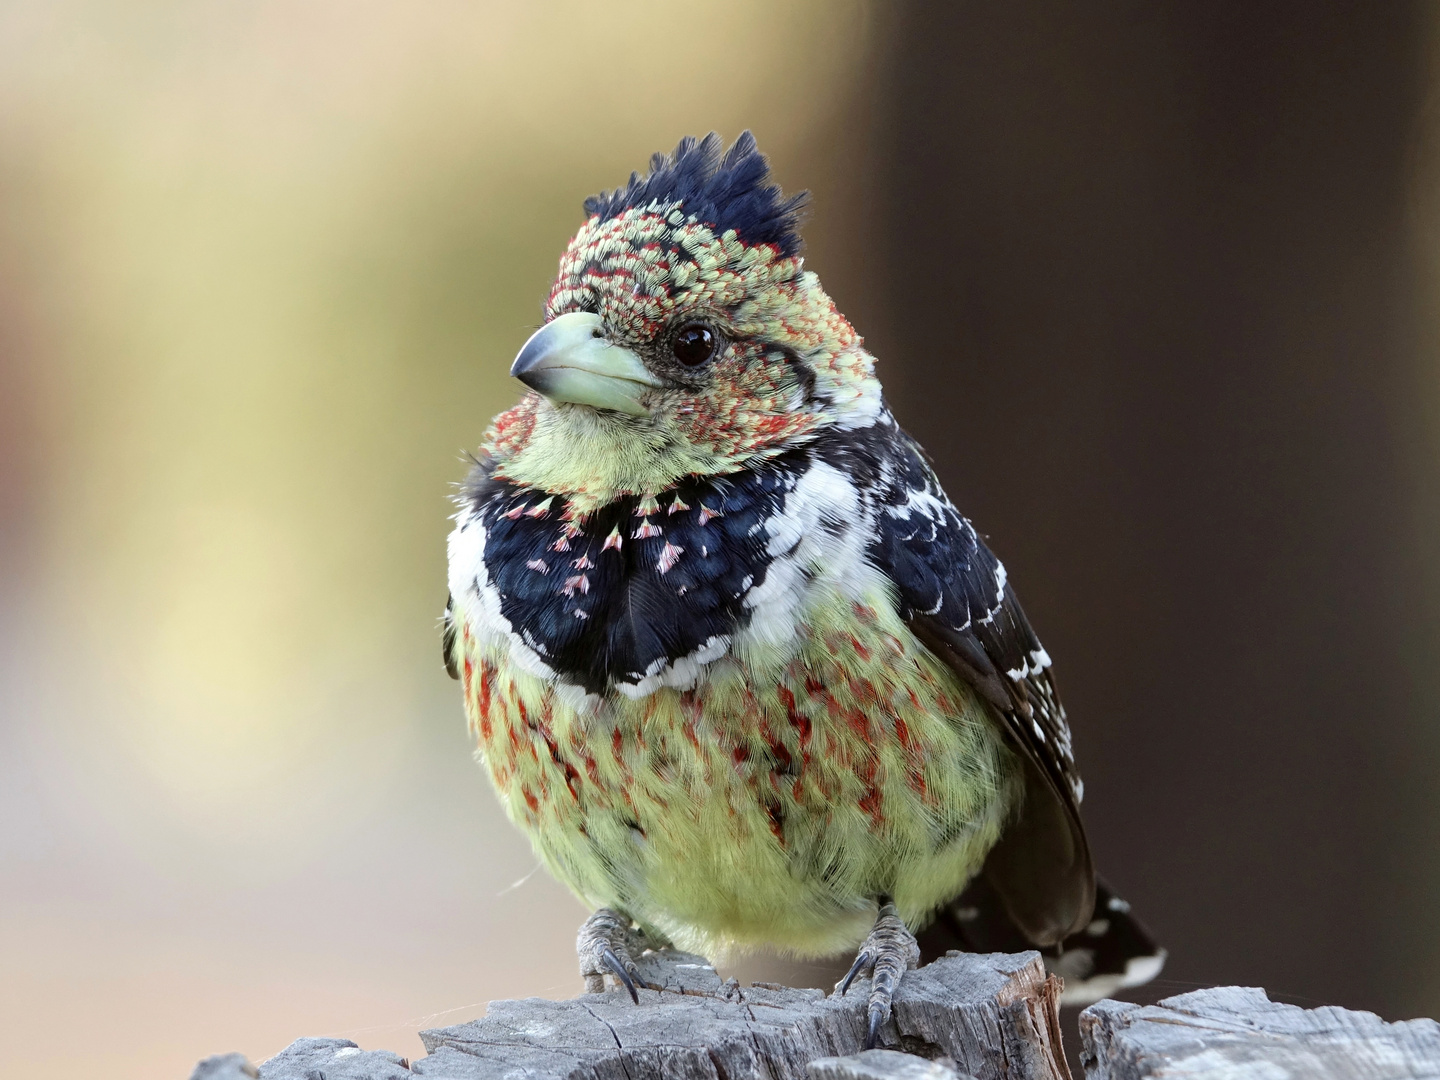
<point x="1112" y="952"/>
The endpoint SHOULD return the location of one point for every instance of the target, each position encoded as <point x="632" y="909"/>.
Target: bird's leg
<point x="889" y="952"/>
<point x="608" y="945"/>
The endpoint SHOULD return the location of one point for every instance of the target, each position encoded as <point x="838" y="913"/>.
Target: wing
<point x="447" y="639"/>
<point x="954" y="595"/>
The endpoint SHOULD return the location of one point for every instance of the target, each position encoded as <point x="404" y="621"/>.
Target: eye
<point x="695" y="345"/>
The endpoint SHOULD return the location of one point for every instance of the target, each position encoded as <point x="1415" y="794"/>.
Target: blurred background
<point x="1158" y="283"/>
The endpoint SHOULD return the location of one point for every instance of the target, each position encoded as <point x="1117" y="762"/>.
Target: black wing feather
<point x="447" y="640"/>
<point x="954" y="595"/>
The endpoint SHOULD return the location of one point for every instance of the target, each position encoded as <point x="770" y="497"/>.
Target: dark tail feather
<point x="1113" y="952"/>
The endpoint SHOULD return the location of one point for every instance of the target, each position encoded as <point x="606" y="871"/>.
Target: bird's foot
<point x="609" y="945"/>
<point x="889" y="952"/>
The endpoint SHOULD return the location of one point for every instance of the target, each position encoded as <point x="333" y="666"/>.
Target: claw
<point x="877" y="1020"/>
<point x="860" y="961"/>
<point x="613" y="963"/>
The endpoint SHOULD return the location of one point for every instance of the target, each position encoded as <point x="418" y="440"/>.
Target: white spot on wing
<point x="1141" y="969"/>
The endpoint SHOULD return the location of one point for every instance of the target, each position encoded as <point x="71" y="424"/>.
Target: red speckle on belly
<point x="872" y="800"/>
<point x="798" y="720"/>
<point x="571" y="774"/>
<point x="871" y="805"/>
<point x="777" y="820"/>
<point x="778" y="750"/>
<point x="916" y="777"/>
<point x="902" y="733"/>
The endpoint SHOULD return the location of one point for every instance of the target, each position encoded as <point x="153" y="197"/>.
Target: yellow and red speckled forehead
<point x="650" y="266"/>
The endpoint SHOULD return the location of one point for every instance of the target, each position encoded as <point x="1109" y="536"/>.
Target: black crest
<point x="732" y="191"/>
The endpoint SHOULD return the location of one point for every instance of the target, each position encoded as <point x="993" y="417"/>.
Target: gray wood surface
<point x="964" y="1017"/>
<point x="990" y="1017"/>
<point x="1238" y="1033"/>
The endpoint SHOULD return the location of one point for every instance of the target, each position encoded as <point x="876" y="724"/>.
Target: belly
<point x="768" y="805"/>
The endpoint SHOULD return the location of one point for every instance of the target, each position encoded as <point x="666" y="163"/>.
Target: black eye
<point x="695" y="345"/>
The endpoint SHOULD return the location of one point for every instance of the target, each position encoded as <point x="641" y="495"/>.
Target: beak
<point x="569" y="359"/>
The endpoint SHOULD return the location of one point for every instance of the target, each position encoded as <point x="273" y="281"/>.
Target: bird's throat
<point x="595" y="457"/>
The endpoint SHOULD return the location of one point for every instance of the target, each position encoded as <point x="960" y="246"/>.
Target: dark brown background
<point x="1147" y="290"/>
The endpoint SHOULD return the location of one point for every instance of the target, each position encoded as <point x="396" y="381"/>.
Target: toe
<point x="607" y="946"/>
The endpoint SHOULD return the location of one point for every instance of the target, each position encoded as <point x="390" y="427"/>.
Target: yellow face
<point x="671" y="350"/>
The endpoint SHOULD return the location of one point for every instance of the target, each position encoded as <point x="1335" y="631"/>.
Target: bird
<point x="732" y="659"/>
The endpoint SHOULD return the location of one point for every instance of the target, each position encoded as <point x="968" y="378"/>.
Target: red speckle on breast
<point x="860" y="650"/>
<point x="482" y="703"/>
<point x="572" y="780"/>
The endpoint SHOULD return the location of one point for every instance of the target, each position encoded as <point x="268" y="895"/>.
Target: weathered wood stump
<point x="1238" y="1033"/>
<point x="986" y="1017"/>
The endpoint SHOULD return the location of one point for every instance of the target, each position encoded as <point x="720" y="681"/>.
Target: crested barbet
<point x="733" y="661"/>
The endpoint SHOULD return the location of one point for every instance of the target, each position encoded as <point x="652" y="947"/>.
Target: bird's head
<point x="682" y="337"/>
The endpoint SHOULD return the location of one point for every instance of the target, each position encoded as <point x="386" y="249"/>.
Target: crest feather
<point x="732" y="191"/>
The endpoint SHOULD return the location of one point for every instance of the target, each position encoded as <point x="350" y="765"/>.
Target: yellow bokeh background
<point x="262" y="269"/>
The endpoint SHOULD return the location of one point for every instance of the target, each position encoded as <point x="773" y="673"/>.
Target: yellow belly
<point x="770" y="805"/>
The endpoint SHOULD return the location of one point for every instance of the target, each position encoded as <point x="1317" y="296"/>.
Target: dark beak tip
<point x="526" y="363"/>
